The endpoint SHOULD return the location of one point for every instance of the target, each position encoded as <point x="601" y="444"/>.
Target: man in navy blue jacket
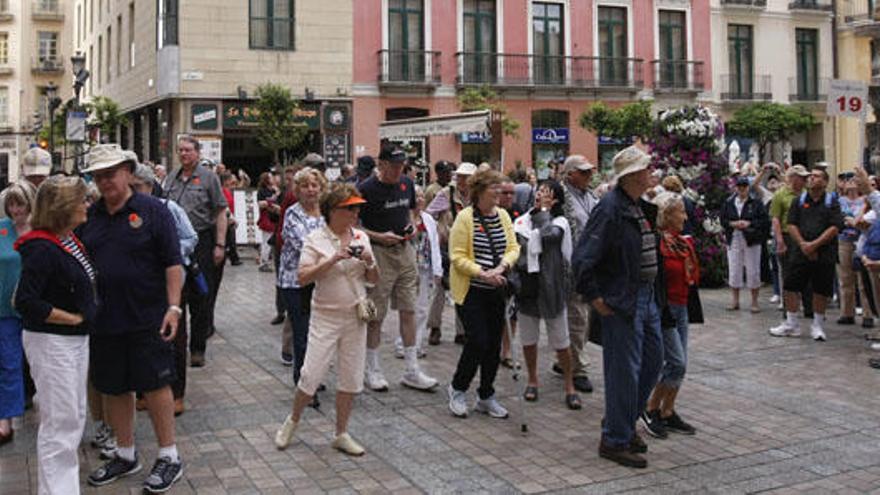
<point x="133" y="243"/>
<point x="618" y="270"/>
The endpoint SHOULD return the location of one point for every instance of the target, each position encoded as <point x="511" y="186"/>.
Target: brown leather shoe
<point x="196" y="360"/>
<point x="622" y="455"/>
<point x="141" y="404"/>
<point x="637" y="445"/>
<point x="434" y="337"/>
<point x="178" y="407"/>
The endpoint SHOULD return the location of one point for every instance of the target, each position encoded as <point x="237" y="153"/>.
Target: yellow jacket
<point x="461" y="251"/>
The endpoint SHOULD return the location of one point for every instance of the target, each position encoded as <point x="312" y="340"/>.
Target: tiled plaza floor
<point x="779" y="415"/>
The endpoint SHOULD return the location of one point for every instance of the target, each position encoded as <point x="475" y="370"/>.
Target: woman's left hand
<point x="367" y="258"/>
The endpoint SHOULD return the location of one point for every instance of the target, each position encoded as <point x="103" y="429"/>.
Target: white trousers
<point x="423" y="308"/>
<point x="265" y="247"/>
<point x="59" y="365"/>
<point x="739" y="256"/>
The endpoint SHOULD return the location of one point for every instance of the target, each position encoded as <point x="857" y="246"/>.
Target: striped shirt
<point x="483" y="253"/>
<point x="648" y="262"/>
<point x="80" y="256"/>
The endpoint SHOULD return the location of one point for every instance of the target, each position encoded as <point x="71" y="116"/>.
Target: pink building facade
<point x="547" y="60"/>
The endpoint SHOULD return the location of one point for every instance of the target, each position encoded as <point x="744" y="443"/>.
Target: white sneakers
<point x="418" y="380"/>
<point x="375" y="380"/>
<point x="817" y="332"/>
<point x="785" y="330"/>
<point x="285" y="434"/>
<point x="457" y="402"/>
<point x="345" y="444"/>
<point x="491" y="407"/>
<point x="774" y="299"/>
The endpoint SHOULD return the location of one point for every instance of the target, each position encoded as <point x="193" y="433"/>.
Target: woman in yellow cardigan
<point x="482" y="247"/>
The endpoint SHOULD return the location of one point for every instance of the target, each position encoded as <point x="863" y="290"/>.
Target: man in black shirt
<point x="814" y="220"/>
<point x="387" y="219"/>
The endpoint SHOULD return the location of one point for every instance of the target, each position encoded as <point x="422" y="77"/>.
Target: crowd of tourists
<point x="109" y="283"/>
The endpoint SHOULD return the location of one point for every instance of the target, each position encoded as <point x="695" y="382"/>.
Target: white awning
<point x="455" y="123"/>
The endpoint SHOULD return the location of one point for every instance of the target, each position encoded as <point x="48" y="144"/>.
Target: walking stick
<point x="516" y="369"/>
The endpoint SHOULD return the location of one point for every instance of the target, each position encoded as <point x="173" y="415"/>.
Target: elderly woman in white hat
<point x="616" y="265"/>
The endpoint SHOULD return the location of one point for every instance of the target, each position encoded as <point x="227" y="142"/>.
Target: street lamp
<point x="80" y="76"/>
<point x="53" y="102"/>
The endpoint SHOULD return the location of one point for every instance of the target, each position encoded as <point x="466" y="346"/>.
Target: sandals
<point x="573" y="402"/>
<point x="508" y="363"/>
<point x="531" y="394"/>
<point x="732" y="307"/>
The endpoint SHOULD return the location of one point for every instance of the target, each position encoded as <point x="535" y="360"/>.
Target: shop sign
<point x="336" y="117"/>
<point x="475" y="137"/>
<point x="550" y="135"/>
<point x="238" y="115"/>
<point x="204" y="117"/>
<point x="614" y="141"/>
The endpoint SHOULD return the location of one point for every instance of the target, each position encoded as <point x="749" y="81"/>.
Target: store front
<point x="550" y="139"/>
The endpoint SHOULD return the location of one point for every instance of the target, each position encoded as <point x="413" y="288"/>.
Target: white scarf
<point x="523" y="227"/>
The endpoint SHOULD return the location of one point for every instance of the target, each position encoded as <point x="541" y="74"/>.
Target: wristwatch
<point x="176" y="309"/>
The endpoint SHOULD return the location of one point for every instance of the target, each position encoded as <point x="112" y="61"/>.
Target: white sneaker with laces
<point x="817" y="332"/>
<point x="418" y="380"/>
<point x="457" y="402"/>
<point x="285" y="434"/>
<point x="375" y="380"/>
<point x="491" y="407"/>
<point x="398" y="352"/>
<point x="785" y="330"/>
<point x="345" y="444"/>
<point x="774" y="299"/>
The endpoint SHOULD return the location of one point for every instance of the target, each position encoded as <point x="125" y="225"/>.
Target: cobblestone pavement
<point x="781" y="415"/>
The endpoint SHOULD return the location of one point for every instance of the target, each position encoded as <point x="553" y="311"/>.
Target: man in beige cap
<point x="36" y="165"/>
<point x="579" y="202"/>
<point x="796" y="180"/>
<point x="616" y="266"/>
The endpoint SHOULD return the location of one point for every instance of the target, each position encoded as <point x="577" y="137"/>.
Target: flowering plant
<point x="686" y="143"/>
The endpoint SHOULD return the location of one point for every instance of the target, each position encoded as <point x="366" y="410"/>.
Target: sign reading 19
<point x="851" y="104"/>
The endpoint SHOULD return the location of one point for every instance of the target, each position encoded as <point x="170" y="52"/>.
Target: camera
<point x="409" y="230"/>
<point x="355" y="251"/>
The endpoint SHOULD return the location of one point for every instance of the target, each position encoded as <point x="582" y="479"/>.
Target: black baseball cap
<point x="393" y="155"/>
<point x="742" y="180"/>
<point x="443" y="166"/>
<point x="365" y="165"/>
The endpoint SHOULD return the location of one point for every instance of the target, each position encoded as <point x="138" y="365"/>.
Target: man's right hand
<point x="599" y="305"/>
<point x="387" y="238"/>
<point x="781" y="248"/>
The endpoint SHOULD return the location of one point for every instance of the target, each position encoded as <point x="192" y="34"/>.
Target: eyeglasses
<point x="349" y="207"/>
<point x="109" y="174"/>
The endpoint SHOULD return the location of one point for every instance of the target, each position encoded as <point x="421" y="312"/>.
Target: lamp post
<point x="53" y="102"/>
<point x="80" y="76"/>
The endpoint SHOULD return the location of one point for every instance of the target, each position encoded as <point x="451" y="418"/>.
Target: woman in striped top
<point x="482" y="247"/>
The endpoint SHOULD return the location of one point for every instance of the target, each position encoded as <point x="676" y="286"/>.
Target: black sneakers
<point x="164" y="474"/>
<point x="113" y="470"/>
<point x="653" y="424"/>
<point x="675" y="424"/>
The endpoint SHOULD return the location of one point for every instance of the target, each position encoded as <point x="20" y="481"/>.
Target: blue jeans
<point x="11" y="377"/>
<point x="675" y="347"/>
<point x="632" y="354"/>
<point x="299" y="310"/>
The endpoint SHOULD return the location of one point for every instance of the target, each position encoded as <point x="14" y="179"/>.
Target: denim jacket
<point x="607" y="259"/>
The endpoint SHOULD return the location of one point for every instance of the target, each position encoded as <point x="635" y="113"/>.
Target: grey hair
<point x="144" y="173"/>
<point x="665" y="202"/>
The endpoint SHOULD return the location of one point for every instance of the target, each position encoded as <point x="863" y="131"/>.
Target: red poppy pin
<point x="482" y="229"/>
<point x="135" y="221"/>
<point x="515" y="214"/>
<point x="806" y="206"/>
<point x="4" y="232"/>
<point x="196" y="181"/>
<point x="403" y="187"/>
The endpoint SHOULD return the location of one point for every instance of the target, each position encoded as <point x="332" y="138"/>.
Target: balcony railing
<point x="745" y="3"/>
<point x="807" y="91"/>
<point x="735" y="87"/>
<point x="549" y="71"/>
<point x="47" y="10"/>
<point x="857" y="11"/>
<point x="673" y="76"/>
<point x="409" y="67"/>
<point x="815" y="5"/>
<point x="47" y="65"/>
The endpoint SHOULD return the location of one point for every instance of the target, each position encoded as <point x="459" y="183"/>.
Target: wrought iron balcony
<point x="409" y="68"/>
<point x="549" y="71"/>
<point x="812" y="5"/>
<point x="47" y="10"/>
<point x="47" y="65"/>
<point x="736" y="87"/>
<point x="677" y="76"/>
<point x="807" y="91"/>
<point x="745" y="3"/>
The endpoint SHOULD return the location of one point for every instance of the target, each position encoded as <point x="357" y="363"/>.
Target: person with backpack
<point x="814" y="220"/>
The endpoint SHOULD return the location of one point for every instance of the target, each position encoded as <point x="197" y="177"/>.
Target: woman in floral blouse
<point x="299" y="221"/>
